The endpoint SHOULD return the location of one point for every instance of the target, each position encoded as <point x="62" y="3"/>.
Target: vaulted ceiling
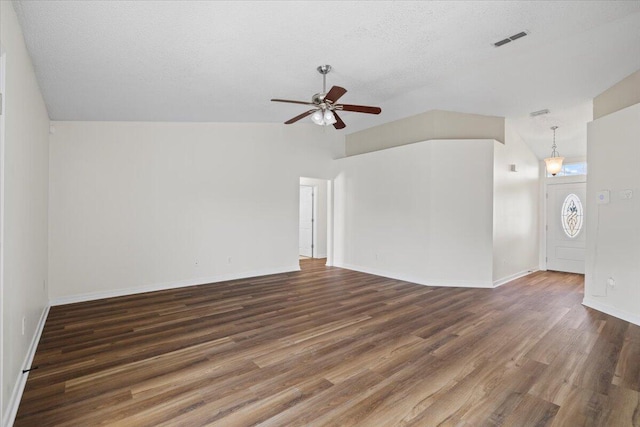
<point x="222" y="61"/>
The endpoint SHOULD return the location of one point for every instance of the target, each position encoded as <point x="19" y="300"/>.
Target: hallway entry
<point x="313" y="218"/>
<point x="305" y="246"/>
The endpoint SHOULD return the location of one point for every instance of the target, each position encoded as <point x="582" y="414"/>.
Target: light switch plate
<point x="626" y="194"/>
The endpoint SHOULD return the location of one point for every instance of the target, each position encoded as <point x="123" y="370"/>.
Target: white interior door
<point x="566" y="227"/>
<point x="306" y="221"/>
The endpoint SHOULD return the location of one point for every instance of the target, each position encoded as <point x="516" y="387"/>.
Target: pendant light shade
<point x="554" y="163"/>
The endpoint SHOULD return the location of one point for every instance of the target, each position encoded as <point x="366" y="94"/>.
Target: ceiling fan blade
<point x="334" y="94"/>
<point x="339" y="124"/>
<point x="359" y="108"/>
<point x="293" y="102"/>
<point x="300" y="116"/>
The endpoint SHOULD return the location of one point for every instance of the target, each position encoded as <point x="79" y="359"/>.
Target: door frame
<point x="583" y="231"/>
<point x="327" y="186"/>
<point x="3" y="74"/>
<point x="314" y="215"/>
<point x="547" y="181"/>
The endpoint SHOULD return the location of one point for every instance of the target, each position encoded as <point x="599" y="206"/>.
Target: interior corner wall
<point x="420" y="212"/>
<point x="613" y="230"/>
<point x="144" y="206"/>
<point x="516" y="198"/>
<point x="320" y="219"/>
<point x="430" y="125"/>
<point x="25" y="186"/>
<point x="623" y="94"/>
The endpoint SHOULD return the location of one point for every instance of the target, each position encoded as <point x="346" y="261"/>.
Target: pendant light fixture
<point x="554" y="163"/>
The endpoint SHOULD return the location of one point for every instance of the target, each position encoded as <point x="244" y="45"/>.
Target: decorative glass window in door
<point x="572" y="215"/>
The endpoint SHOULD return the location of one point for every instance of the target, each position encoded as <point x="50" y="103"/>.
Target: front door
<point x="566" y="227"/>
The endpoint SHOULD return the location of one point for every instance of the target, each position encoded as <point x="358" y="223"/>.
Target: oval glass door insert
<point x="572" y="215"/>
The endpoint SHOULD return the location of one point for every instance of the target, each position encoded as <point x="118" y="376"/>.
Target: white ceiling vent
<point x="539" y="113"/>
<point x="510" y="39"/>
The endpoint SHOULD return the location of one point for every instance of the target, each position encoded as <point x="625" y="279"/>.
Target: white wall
<point x="137" y="206"/>
<point x="25" y="208"/>
<point x="623" y="94"/>
<point x="613" y="230"/>
<point x="515" y="208"/>
<point x="320" y="215"/>
<point x="420" y="212"/>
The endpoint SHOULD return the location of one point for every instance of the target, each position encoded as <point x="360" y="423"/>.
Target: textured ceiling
<point x="571" y="135"/>
<point x="222" y="61"/>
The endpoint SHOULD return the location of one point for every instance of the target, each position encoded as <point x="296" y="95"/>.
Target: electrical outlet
<point x="229" y="260"/>
<point x="24" y="320"/>
<point x="611" y="282"/>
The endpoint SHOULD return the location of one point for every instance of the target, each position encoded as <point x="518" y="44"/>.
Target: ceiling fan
<point x="325" y="106"/>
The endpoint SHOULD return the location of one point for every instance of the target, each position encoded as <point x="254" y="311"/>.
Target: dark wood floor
<point x="328" y="346"/>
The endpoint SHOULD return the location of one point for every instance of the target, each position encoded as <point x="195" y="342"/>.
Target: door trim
<point x="313" y="218"/>
<point x="3" y="73"/>
<point x="582" y="179"/>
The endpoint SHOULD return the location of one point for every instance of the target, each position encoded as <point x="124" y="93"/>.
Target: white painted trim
<point x="330" y="223"/>
<point x="515" y="276"/>
<point x="170" y="285"/>
<point x="419" y="281"/>
<point x="3" y="67"/>
<point x="18" y="389"/>
<point x="320" y="256"/>
<point x="314" y="216"/>
<point x="612" y="311"/>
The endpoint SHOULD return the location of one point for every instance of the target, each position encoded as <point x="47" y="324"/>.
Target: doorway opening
<point x="313" y="219"/>
<point x="307" y="218"/>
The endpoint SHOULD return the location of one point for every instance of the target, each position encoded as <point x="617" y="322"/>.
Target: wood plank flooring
<point x="333" y="347"/>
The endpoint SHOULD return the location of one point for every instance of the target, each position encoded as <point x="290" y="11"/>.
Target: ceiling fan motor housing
<point x="318" y="98"/>
<point x="324" y="69"/>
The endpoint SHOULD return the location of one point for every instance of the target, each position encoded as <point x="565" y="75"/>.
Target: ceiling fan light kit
<point x="324" y="113"/>
<point x="323" y="119"/>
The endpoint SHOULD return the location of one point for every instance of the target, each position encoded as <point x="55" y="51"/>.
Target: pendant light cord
<point x="554" y="152"/>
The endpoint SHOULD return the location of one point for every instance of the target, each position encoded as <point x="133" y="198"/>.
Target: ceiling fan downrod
<point x="324" y="70"/>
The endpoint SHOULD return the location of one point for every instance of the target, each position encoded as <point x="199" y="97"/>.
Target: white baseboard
<point x="21" y="381"/>
<point x="417" y="280"/>
<point x="515" y="276"/>
<point x="612" y="311"/>
<point x="70" y="299"/>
